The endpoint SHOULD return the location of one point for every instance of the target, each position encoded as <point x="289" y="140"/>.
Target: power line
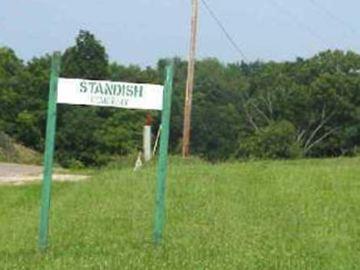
<point x="333" y="16"/>
<point x="301" y="24"/>
<point x="223" y="29"/>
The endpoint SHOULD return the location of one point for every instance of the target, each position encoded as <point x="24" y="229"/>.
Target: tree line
<point x="266" y="110"/>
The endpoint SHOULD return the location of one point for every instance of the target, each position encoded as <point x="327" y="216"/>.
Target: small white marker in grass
<point x="138" y="163"/>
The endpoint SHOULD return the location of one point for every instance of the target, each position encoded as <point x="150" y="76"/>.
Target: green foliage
<point x="216" y="119"/>
<point x="259" y="215"/>
<point x="318" y="99"/>
<point x="77" y="125"/>
<point x="277" y="140"/>
<point x="11" y="69"/>
<point x="87" y="59"/>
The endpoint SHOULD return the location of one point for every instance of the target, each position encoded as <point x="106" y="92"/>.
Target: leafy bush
<point x="277" y="140"/>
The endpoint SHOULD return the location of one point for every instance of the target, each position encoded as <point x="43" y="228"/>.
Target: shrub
<point x="277" y="140"/>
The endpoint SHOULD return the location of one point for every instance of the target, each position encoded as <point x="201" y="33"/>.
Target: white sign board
<point x="110" y="94"/>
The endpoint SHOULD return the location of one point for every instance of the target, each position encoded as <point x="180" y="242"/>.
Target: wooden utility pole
<point x="190" y="80"/>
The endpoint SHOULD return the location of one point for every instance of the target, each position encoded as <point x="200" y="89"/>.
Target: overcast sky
<point x="142" y="31"/>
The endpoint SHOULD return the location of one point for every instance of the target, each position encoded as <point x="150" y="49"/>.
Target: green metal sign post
<point x="49" y="153"/>
<point x="163" y="157"/>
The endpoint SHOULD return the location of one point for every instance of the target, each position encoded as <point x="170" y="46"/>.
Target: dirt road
<point x="20" y="174"/>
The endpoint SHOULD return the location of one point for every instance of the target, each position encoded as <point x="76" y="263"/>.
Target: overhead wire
<point x="286" y="12"/>
<point x="299" y="22"/>
<point x="223" y="29"/>
<point x="333" y="16"/>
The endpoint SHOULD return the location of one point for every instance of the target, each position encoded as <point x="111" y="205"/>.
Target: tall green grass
<point x="258" y="215"/>
<point x="11" y="151"/>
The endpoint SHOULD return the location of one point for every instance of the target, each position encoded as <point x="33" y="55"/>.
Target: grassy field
<point x="257" y="215"/>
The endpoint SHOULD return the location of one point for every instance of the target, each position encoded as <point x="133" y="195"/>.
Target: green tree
<point x="77" y="125"/>
<point x="87" y="59"/>
<point x="11" y="68"/>
<point x="30" y="122"/>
